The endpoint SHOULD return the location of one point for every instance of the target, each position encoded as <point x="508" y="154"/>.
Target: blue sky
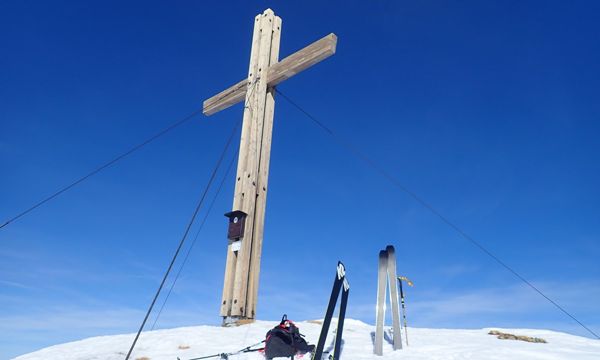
<point x="488" y="110"/>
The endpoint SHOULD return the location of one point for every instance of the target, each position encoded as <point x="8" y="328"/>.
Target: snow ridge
<point x="430" y="344"/>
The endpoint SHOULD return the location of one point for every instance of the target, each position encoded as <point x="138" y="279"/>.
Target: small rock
<point x="506" y="336"/>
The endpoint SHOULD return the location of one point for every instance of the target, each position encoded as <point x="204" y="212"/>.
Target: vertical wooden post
<point x="233" y="255"/>
<point x="242" y="269"/>
<point x="243" y="259"/>
<point x="263" y="176"/>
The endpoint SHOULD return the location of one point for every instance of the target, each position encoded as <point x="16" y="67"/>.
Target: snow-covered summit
<point x="190" y="342"/>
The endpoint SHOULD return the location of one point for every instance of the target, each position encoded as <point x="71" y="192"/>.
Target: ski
<point x="387" y="278"/>
<point x="391" y="275"/>
<point x="380" y="315"/>
<point x="340" y="283"/>
<point x="342" y="316"/>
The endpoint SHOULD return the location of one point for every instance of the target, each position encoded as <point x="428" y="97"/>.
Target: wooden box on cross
<point x="237" y="222"/>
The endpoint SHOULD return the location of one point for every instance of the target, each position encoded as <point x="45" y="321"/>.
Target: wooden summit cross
<point x="240" y="287"/>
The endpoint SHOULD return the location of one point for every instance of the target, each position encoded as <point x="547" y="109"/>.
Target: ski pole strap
<point x="226" y="355"/>
<point x="221" y="356"/>
<point x="247" y="349"/>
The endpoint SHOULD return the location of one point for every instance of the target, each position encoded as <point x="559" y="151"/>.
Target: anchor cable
<point x="395" y="182"/>
<point x="102" y="167"/>
<point x="189" y="226"/>
<point x="183" y="238"/>
<point x="208" y="211"/>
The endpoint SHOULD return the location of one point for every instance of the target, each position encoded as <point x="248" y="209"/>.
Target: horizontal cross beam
<point x="283" y="70"/>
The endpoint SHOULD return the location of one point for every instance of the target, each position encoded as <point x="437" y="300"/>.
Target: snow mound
<point x="430" y="344"/>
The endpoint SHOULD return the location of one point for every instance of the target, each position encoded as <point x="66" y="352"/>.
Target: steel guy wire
<point x="185" y="259"/>
<point x="183" y="238"/>
<point x="394" y="181"/>
<point x="102" y="167"/>
<point x="187" y="230"/>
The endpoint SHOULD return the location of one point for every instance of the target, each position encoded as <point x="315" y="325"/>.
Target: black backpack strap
<point x="283" y="319"/>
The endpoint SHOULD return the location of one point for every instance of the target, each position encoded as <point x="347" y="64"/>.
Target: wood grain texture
<point x="256" y="106"/>
<point x="233" y="258"/>
<point x="263" y="178"/>
<point x="283" y="70"/>
<point x="240" y="286"/>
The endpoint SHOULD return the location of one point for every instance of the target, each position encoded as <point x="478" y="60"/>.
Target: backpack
<point x="285" y="340"/>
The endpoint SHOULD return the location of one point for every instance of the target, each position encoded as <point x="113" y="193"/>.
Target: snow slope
<point x="424" y="344"/>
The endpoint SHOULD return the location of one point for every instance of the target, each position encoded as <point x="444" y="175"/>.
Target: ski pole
<point x="221" y="356"/>
<point x="226" y="356"/>
<point x="246" y="349"/>
<point x="403" y="312"/>
<point x="410" y="283"/>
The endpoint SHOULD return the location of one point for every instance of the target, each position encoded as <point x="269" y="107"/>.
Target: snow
<point x="431" y="344"/>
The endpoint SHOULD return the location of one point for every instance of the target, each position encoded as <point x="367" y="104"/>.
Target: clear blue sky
<point x="488" y="110"/>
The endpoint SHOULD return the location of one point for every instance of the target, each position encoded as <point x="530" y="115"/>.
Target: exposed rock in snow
<point x="430" y="344"/>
